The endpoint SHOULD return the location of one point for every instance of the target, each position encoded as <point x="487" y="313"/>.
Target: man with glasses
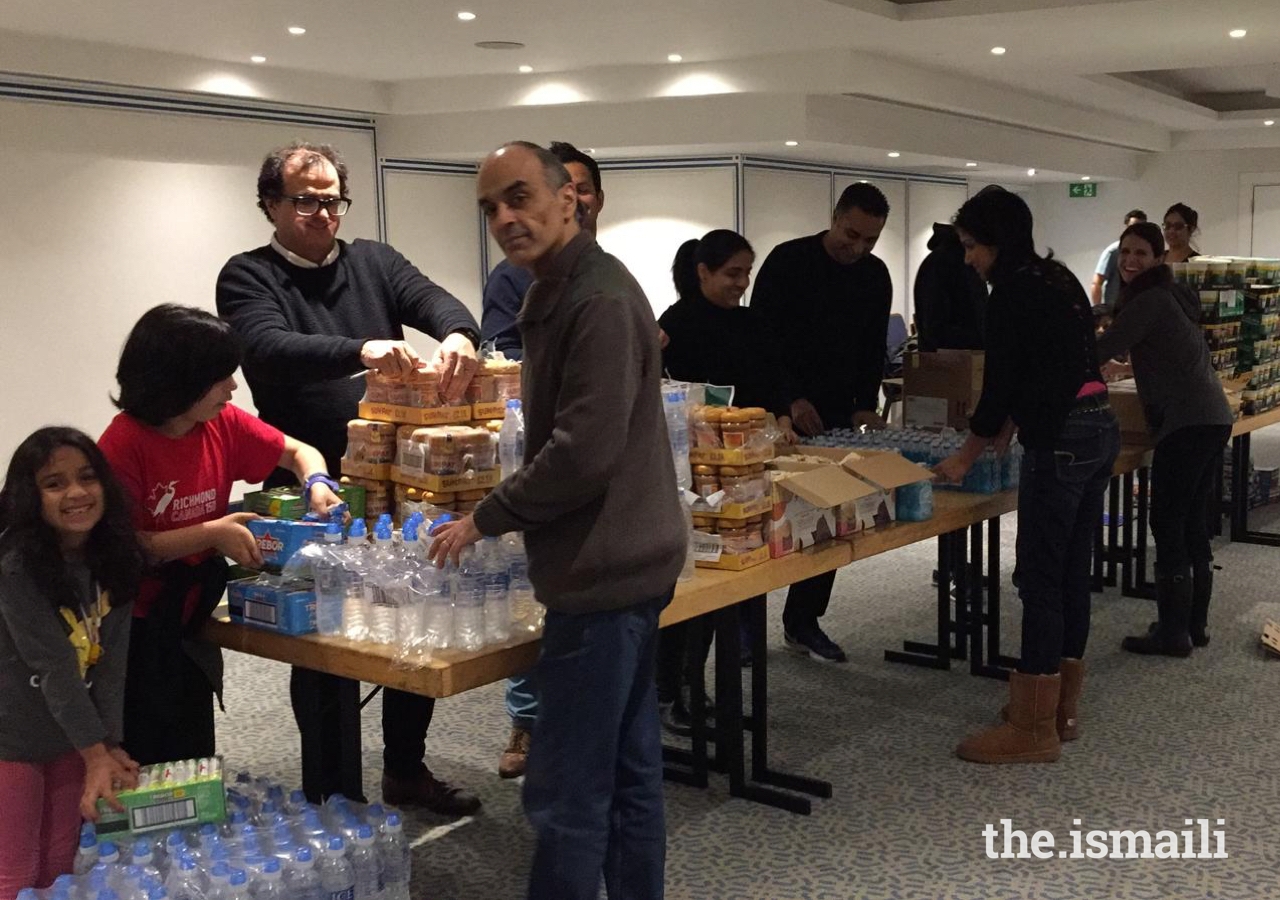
<point x="315" y="311"/>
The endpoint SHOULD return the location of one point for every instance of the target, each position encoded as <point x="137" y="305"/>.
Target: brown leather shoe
<point x="1031" y="734"/>
<point x="430" y="792"/>
<point x="511" y="763"/>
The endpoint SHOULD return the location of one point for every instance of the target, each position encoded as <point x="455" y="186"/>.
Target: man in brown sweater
<point x="605" y="535"/>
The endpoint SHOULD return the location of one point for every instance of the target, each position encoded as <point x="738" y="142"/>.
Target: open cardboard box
<point x="942" y="388"/>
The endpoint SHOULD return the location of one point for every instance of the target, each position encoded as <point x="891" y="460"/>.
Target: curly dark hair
<point x="271" y="175"/>
<point x="112" y="551"/>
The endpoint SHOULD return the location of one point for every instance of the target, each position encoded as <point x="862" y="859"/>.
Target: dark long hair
<point x="171" y="359"/>
<point x="713" y="250"/>
<point x="1000" y="219"/>
<point x="1160" y="275"/>
<point x="112" y="551"/>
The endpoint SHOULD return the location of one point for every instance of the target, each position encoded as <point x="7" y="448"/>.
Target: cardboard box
<point x="472" y="480"/>
<point x="485" y="411"/>
<point x="166" y="806"/>
<point x="887" y="472"/>
<point x="807" y="498"/>
<point x="413" y="415"/>
<point x="941" y="389"/>
<point x="289" y="503"/>
<point x="708" y="553"/>
<point x="270" y="602"/>
<point x="279" y="539"/>
<point x="719" y="456"/>
<point x="371" y="471"/>
<point x="733" y="510"/>
<point x="1123" y="396"/>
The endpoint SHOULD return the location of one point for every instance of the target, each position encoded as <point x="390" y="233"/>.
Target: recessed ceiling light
<point x="792" y="143"/>
<point x="466" y="16"/>
<point x="894" y="154"/>
<point x="297" y="29"/>
<point x="1237" y="33"/>
<point x="500" y="45"/>
<point x="971" y="165"/>
<point x="591" y="150"/>
<point x="257" y="59"/>
<point x="525" y="70"/>
<point x="1031" y="172"/>
<point x="1269" y="122"/>
<point x="674" y="57"/>
<point x="1086" y="178"/>
<point x="998" y="51"/>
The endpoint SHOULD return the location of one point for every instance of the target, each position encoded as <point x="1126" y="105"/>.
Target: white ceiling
<point x="1057" y="78"/>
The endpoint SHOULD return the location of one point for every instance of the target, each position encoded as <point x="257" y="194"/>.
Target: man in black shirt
<point x="827" y="300"/>
<point x="314" y="311"/>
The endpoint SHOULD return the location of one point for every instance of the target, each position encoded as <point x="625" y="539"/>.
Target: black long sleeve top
<point x="1040" y="352"/>
<point x="713" y="345"/>
<point x="303" y="330"/>
<point x="830" y="321"/>
<point x="950" y="297"/>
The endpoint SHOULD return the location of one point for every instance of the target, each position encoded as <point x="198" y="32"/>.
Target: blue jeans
<point x="1059" y="507"/>
<point x="522" y="700"/>
<point x="593" y="783"/>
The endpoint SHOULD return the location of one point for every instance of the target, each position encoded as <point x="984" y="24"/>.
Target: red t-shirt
<point x="177" y="482"/>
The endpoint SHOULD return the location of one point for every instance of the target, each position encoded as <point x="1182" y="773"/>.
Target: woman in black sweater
<point x="1041" y="378"/>
<point x="711" y="338"/>
<point x="1157" y="324"/>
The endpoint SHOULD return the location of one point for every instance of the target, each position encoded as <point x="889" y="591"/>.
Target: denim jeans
<point x="593" y="783"/>
<point x="1059" y="507"/>
<point x="522" y="700"/>
<point x="1184" y="470"/>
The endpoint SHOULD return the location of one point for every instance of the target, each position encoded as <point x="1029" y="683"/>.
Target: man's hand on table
<point x="395" y="359"/>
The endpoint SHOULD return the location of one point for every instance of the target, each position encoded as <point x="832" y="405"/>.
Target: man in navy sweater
<point x="314" y="311"/>
<point x="503" y="295"/>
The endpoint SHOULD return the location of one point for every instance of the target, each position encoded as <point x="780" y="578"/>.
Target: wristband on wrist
<point x="318" y="478"/>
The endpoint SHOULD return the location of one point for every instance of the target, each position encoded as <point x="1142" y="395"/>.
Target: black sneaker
<point x="810" y="640"/>
<point x="675" y="719"/>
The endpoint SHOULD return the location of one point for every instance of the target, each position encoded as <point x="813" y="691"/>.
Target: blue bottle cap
<point x="364" y="831"/>
<point x="358" y="529"/>
<point x="393" y="820"/>
<point x="302" y="854"/>
<point x="336" y="843"/>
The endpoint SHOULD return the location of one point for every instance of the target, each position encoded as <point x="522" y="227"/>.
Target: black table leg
<point x="938" y="655"/>
<point x="1113" y="530"/>
<point x="689" y="766"/>
<point x="1143" y="586"/>
<point x="1240" y="532"/>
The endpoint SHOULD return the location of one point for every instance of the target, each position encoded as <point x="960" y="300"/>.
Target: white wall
<point x="926" y="204"/>
<point x="892" y="246"/>
<point x="120" y="211"/>
<point x="780" y="205"/>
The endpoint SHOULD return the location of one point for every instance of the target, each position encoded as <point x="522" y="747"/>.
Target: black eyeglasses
<point x="309" y="206"/>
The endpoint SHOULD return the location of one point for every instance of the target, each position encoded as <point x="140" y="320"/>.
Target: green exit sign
<point x="1083" y="189"/>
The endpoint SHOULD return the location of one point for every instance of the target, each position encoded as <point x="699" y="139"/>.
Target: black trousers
<point x="1184" y="472"/>
<point x="807" y="601"/>
<point x="168" y="702"/>
<point x="679" y="657"/>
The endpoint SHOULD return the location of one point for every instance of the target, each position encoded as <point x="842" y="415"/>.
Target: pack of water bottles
<point x="385" y="590"/>
<point x="272" y="846"/>
<point x="990" y="474"/>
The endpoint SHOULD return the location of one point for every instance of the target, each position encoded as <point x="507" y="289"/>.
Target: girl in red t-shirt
<point x="178" y="446"/>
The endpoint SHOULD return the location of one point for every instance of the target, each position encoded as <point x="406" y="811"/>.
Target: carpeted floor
<point x="1162" y="741"/>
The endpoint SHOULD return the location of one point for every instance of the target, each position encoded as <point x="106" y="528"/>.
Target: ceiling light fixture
<point x="894" y="154"/>
<point x="998" y="51"/>
<point x="791" y="143"/>
<point x="971" y="165"/>
<point x="674" y="57"/>
<point x="591" y="150"/>
<point x="1031" y="172"/>
<point x="257" y="59"/>
<point x="1237" y="33"/>
<point x="1086" y="178"/>
<point x="1268" y="122"/>
<point x="465" y="16"/>
<point x="296" y="30"/>
<point x="500" y="45"/>
<point x="525" y="70"/>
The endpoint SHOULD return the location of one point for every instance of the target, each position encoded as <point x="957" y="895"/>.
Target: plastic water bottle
<point x="237" y="885"/>
<point x="497" y="600"/>
<point x="511" y="439"/>
<point x="394" y="852"/>
<point x="87" y="853"/>
<point x="675" y="409"/>
<point x="219" y="881"/>
<point x="383" y="611"/>
<point x="355" y="614"/>
<point x="269" y="885"/>
<point x="366" y="866"/>
<point x="184" y="881"/>
<point x="686" y="573"/>
<point x="468" y="602"/>
<point x="144" y="858"/>
<point x="337" y="881"/>
<point x="526" y="612"/>
<point x="329" y="576"/>
<point x="303" y="879"/>
<point x="108" y="853"/>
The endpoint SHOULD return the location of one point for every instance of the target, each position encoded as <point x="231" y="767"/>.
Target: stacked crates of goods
<point x="728" y="449"/>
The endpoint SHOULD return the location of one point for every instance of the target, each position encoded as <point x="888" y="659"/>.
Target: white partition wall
<point x="780" y="204"/>
<point x="115" y="210"/>
<point x="892" y="246"/>
<point x="927" y="203"/>
<point x="432" y="218"/>
<point x="652" y="208"/>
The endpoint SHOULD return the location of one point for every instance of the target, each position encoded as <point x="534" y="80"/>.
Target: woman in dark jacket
<point x="1157" y="324"/>
<point x="1042" y="378"/>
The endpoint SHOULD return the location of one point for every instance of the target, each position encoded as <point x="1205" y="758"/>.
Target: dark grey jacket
<point x="1158" y="326"/>
<point x="46" y="708"/>
<point x="596" y="497"/>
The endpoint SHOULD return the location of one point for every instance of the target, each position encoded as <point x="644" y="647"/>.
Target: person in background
<point x="178" y="445"/>
<point x="1105" y="288"/>
<point x="315" y="311"/>
<point x="605" y="535"/>
<point x="825" y="299"/>
<point x="1157" y="325"/>
<point x="1181" y="224"/>
<point x="1041" y="378"/>
<point x="503" y="295"/>
<point x="950" y="298"/>
<point x="713" y="339"/>
<point x="69" y="569"/>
